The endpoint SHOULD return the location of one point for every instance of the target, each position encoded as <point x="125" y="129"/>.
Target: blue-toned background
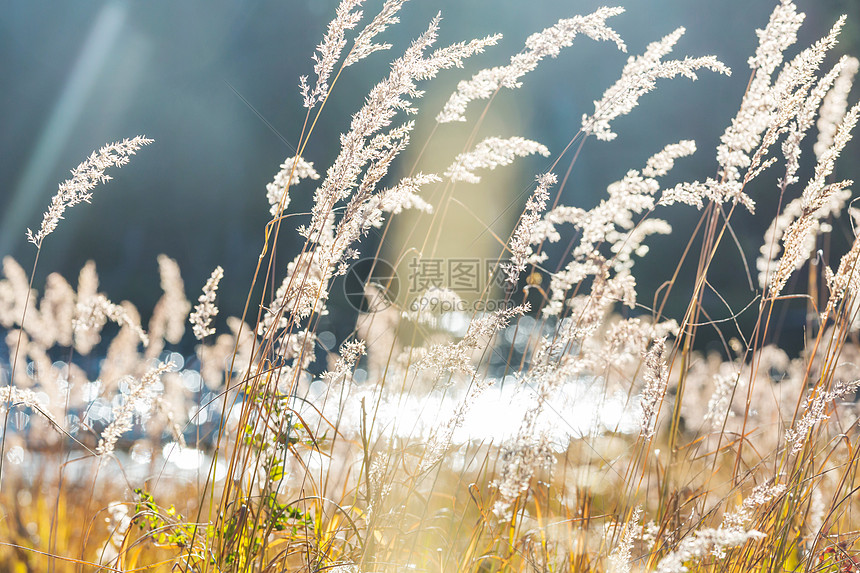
<point x="214" y="82"/>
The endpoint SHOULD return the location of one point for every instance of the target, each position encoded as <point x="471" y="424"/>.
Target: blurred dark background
<point x="214" y="82"/>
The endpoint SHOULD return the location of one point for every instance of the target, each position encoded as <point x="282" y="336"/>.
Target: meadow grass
<point x="548" y="417"/>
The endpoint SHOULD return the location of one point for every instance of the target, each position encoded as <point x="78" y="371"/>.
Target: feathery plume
<point x="364" y="145"/>
<point x="768" y="260"/>
<point x="140" y="396"/>
<point x="639" y="77"/>
<point x="92" y="314"/>
<point x="621" y="556"/>
<point x="720" y="403"/>
<point x="363" y="211"/>
<point x="732" y="532"/>
<point x="442" y="436"/>
<point x="815" y="199"/>
<point x="84" y="179"/>
<point x="834" y="106"/>
<point x="530" y="450"/>
<point x="520" y="460"/>
<point x="364" y="45"/>
<point x="816" y="411"/>
<point x="692" y="193"/>
<point x="350" y="352"/>
<point x="817" y="510"/>
<point x="15" y="293"/>
<point x="759" y="496"/>
<point x="329" y="50"/>
<point x="491" y="153"/>
<point x="122" y="356"/>
<point x="779" y="34"/>
<point x="754" y="115"/>
<point x="701" y="543"/>
<point x="457" y="356"/>
<point x="13" y="396"/>
<point x="791" y="102"/>
<point x="217" y="357"/>
<point x="56" y="312"/>
<point x="301" y="291"/>
<point x="656" y="382"/>
<point x="662" y="162"/>
<point x="767" y="107"/>
<point x="803" y="121"/>
<point x="404" y="195"/>
<point x="609" y="223"/>
<point x="521" y="239"/>
<point x="548" y="42"/>
<point x="800" y="71"/>
<point x="276" y="191"/>
<point x="206" y="310"/>
<point x="814" y="195"/>
<point x="846" y="279"/>
<point x="168" y="316"/>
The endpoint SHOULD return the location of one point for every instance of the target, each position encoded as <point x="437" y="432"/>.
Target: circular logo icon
<point x="371" y="285"/>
